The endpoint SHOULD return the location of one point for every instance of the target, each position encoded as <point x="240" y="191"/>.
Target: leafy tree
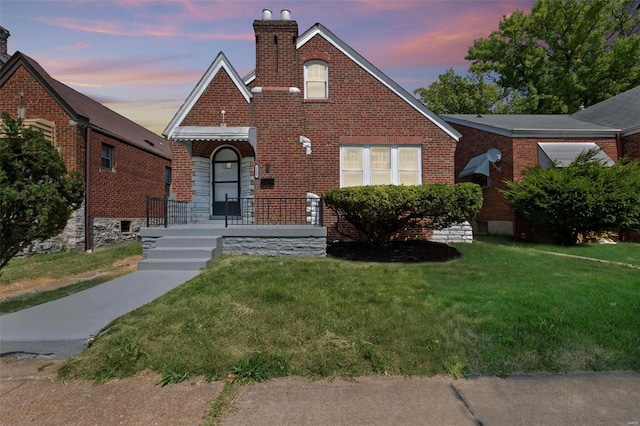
<point x="379" y="212"/>
<point x="564" y="54"/>
<point x="37" y="196"/>
<point x="582" y="197"/>
<point x="454" y="94"/>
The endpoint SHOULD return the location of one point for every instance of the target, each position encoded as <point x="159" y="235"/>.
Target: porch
<point x="194" y="246"/>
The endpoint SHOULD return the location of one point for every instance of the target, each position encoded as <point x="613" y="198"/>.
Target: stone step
<point x="173" y="264"/>
<point x="181" y="253"/>
<point x="189" y="241"/>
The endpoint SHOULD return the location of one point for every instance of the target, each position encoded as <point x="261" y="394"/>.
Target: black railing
<point x="273" y="211"/>
<point x="165" y="212"/>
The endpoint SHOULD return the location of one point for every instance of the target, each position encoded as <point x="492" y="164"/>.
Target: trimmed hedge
<point x="381" y="211"/>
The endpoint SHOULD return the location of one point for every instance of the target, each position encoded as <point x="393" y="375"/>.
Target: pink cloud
<point x="126" y="29"/>
<point x="76" y="46"/>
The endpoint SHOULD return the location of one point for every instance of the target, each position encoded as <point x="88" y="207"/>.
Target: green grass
<point x="498" y="310"/>
<point x="59" y="265"/>
<point x="628" y="253"/>
<point x="23" y="302"/>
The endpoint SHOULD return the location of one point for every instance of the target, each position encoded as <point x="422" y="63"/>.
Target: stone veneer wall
<point x="269" y="246"/>
<point x="106" y="231"/>
<point x="461" y="233"/>
<point x="71" y="238"/>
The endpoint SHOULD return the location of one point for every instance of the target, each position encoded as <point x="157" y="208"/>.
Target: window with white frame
<point x="316" y="80"/>
<point x="380" y="165"/>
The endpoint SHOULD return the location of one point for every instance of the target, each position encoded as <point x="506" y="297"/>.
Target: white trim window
<point x="316" y="80"/>
<point x="380" y="165"/>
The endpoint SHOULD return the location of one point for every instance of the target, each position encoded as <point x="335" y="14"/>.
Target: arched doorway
<point x="226" y="181"/>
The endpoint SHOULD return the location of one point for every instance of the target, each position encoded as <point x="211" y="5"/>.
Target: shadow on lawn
<point x="396" y="251"/>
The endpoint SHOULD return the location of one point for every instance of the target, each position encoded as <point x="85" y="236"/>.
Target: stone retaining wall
<point x="269" y="246"/>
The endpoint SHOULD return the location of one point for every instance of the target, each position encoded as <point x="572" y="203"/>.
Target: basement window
<point x="125" y="227"/>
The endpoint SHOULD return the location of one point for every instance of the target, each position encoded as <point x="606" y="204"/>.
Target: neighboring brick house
<point x="314" y="115"/>
<point x="4" y="56"/>
<point x="121" y="161"/>
<point x="523" y="141"/>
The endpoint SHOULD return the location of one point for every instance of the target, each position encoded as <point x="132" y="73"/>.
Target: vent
<point x="48" y="128"/>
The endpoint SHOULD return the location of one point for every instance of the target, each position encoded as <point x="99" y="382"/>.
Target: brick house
<point x="313" y="115"/>
<point x="496" y="148"/>
<point x="121" y="161"/>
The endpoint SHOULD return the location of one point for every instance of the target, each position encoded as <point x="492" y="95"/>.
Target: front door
<point x="226" y="182"/>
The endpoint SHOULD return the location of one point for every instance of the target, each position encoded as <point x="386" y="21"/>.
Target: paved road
<point x="63" y="327"/>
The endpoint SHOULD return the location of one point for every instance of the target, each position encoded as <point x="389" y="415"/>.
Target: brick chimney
<point x="276" y="54"/>
<point x="4" y="35"/>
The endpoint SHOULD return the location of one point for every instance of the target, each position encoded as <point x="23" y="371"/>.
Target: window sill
<point x="317" y="101"/>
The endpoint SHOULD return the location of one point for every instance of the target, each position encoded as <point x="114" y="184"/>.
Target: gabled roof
<point x="85" y="110"/>
<point x="221" y="62"/>
<point x="321" y="30"/>
<point x="532" y="125"/>
<point x="621" y="111"/>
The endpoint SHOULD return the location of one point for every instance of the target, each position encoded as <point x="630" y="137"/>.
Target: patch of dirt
<point x="20" y="288"/>
<point x="396" y="251"/>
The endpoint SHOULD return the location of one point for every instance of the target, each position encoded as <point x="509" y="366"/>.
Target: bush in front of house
<point x="379" y="212"/>
<point x="586" y="196"/>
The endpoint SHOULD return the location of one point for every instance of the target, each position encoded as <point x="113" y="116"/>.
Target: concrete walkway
<point x="63" y="327"/>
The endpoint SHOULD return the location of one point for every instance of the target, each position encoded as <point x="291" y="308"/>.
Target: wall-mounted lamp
<point x="255" y="172"/>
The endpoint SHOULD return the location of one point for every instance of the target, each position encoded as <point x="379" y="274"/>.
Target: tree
<point x="454" y="94"/>
<point x="565" y="54"/>
<point x="583" y="197"/>
<point x="37" y="195"/>
<point x="379" y="212"/>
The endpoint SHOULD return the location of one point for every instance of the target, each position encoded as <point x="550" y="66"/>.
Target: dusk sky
<point x="142" y="58"/>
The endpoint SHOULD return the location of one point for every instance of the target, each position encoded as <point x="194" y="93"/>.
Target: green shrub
<point x="381" y="211"/>
<point x="586" y="196"/>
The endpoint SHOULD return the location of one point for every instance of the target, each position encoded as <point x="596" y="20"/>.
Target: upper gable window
<point x="316" y="80"/>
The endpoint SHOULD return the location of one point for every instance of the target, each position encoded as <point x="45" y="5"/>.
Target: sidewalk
<point x="26" y="397"/>
<point x="62" y="328"/>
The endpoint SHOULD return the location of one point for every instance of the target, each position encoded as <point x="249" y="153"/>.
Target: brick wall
<point x="121" y="192"/>
<point x="631" y="146"/>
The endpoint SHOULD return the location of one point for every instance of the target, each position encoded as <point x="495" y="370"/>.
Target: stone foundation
<point x="264" y="246"/>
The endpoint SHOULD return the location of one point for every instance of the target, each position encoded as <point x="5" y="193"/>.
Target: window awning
<point x="477" y="165"/>
<point x="564" y="153"/>
<point x="211" y="133"/>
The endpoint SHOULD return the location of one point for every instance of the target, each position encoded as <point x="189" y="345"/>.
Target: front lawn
<point x="498" y="310"/>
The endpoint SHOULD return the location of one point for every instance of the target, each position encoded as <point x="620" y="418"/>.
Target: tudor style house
<point x="313" y="115"/>
<point x="121" y="161"/>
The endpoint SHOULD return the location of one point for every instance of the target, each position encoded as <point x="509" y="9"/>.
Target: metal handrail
<point x="273" y="211"/>
<point x="162" y="211"/>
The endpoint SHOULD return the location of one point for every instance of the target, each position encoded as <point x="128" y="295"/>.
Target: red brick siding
<point x="182" y="179"/>
<point x="121" y="192"/>
<point x="276" y="62"/>
<point x="39" y="104"/>
<point x="631" y="146"/>
<point x="221" y="94"/>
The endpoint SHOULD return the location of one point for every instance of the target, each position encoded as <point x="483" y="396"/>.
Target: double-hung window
<point x="106" y="157"/>
<point x="380" y="165"/>
<point x="316" y="80"/>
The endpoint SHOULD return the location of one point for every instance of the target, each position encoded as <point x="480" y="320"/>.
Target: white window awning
<point x="564" y="153"/>
<point x="477" y="165"/>
<point x="216" y="133"/>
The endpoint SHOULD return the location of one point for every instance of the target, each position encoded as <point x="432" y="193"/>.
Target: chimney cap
<point x="285" y="14"/>
<point x="266" y="15"/>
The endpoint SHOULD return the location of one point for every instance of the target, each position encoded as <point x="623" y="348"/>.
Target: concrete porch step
<point x="181" y="253"/>
<point x="172" y="264"/>
<point x="189" y="241"/>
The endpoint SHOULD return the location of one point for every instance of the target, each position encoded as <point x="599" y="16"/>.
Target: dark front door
<point x="226" y="182"/>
